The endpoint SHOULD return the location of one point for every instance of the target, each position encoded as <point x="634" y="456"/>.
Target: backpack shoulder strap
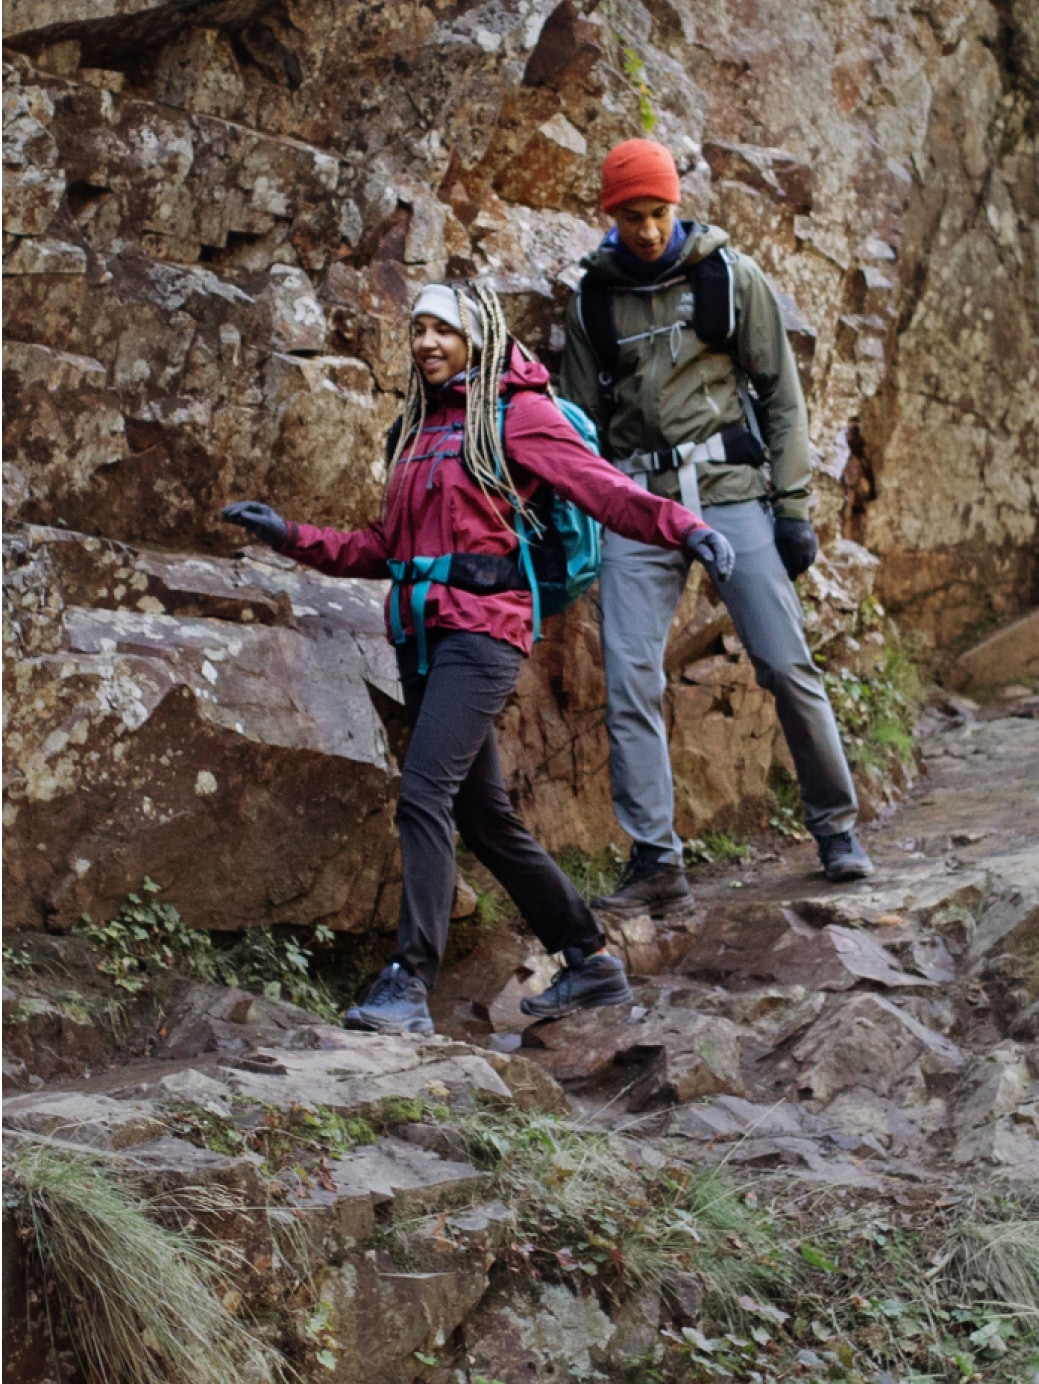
<point x="714" y="310"/>
<point x="595" y="310"/>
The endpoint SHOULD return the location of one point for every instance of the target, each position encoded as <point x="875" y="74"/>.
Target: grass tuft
<point x="997" y="1261"/>
<point x="140" y="1303"/>
<point x="591" y="875"/>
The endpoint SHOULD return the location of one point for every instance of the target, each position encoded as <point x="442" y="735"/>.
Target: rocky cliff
<point x="216" y="211"/>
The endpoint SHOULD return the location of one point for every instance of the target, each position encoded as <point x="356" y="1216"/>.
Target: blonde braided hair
<point x="484" y="453"/>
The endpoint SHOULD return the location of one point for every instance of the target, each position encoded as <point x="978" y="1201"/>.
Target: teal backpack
<point x="558" y="559"/>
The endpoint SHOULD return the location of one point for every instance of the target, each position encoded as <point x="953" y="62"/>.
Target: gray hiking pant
<point x="640" y="588"/>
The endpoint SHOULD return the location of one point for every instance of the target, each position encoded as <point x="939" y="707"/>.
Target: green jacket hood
<point x="700" y="241"/>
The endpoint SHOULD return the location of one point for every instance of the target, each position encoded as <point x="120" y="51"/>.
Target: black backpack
<point x="714" y="321"/>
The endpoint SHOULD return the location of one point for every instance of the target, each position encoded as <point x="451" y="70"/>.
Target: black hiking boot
<point x="585" y="982"/>
<point x="396" y="1003"/>
<point x="842" y="857"/>
<point x="646" y="886"/>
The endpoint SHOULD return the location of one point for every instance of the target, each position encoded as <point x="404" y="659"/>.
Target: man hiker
<point x="667" y="331"/>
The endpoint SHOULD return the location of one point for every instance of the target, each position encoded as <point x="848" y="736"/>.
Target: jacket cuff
<point x="791" y="509"/>
<point x="697" y="527"/>
<point x="291" y="537"/>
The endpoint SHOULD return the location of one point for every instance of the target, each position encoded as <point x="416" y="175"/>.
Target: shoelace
<point x="563" y="981"/>
<point x="395" y="986"/>
<point x="838" y="840"/>
<point x="636" y="868"/>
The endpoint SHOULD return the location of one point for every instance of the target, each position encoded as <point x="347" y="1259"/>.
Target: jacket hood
<point x="700" y="241"/>
<point x="523" y="373"/>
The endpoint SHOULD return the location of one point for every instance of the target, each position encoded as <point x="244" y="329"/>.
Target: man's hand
<point x="797" y="544"/>
<point x="708" y="546"/>
<point x="261" y="521"/>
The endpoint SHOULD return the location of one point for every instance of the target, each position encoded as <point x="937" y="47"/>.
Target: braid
<point x="413" y="415"/>
<point x="485" y="454"/>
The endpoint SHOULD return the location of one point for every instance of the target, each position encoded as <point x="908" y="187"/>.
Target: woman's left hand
<point x="261" y="521"/>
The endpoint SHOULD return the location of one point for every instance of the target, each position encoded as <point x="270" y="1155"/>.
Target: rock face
<point x="215" y="217"/>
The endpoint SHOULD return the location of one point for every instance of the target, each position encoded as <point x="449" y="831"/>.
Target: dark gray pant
<point x="640" y="589"/>
<point x="452" y="776"/>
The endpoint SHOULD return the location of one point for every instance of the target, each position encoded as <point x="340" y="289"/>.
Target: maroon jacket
<point x="433" y="506"/>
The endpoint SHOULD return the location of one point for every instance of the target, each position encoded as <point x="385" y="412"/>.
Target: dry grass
<point x="140" y="1303"/>
<point x="996" y="1262"/>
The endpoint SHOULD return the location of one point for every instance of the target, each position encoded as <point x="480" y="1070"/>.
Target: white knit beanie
<point x="439" y="300"/>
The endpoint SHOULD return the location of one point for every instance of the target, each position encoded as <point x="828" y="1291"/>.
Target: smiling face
<point x="645" y="226"/>
<point x="438" y="349"/>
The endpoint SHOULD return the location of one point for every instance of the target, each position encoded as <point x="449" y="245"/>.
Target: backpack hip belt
<point x="482" y="574"/>
<point x="734" y="446"/>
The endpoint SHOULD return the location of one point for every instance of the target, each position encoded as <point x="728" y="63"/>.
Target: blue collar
<point x="638" y="269"/>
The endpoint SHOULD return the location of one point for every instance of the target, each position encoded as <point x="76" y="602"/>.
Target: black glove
<point x="797" y="544"/>
<point x="713" y="550"/>
<point x="261" y="521"/>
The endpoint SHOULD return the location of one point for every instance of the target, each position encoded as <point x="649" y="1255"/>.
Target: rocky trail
<point x="825" y="1043"/>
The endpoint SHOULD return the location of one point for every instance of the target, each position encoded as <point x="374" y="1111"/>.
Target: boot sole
<point x="360" y="1023"/>
<point x="839" y="875"/>
<point x="601" y="1002"/>
<point x="668" y="908"/>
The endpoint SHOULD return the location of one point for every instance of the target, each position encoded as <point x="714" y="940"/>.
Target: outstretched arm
<point x="360" y="553"/>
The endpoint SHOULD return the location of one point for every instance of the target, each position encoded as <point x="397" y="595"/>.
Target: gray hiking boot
<point x="396" y="1003"/>
<point x="587" y="982"/>
<point x="842" y="857"/>
<point x="646" y="886"/>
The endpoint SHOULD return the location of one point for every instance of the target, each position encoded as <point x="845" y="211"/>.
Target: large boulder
<point x="214" y="725"/>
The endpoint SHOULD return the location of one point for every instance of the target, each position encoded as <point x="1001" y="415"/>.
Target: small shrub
<point x="278" y="966"/>
<point x="584" y="1212"/>
<point x="148" y="934"/>
<point x="877" y="711"/>
<point x="787" y="812"/>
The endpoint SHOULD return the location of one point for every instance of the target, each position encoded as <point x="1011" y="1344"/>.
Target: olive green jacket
<point x="672" y="388"/>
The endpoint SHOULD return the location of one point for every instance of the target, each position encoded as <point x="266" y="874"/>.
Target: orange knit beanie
<point x="638" y="168"/>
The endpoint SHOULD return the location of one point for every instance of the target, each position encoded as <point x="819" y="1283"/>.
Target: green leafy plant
<point x="146" y="934"/>
<point x="787" y="811"/>
<point x="278" y="966"/>
<point x="634" y="69"/>
<point x="16" y="958"/>
<point x="877" y="711"/>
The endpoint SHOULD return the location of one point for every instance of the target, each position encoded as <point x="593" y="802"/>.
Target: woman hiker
<point x="460" y="658"/>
